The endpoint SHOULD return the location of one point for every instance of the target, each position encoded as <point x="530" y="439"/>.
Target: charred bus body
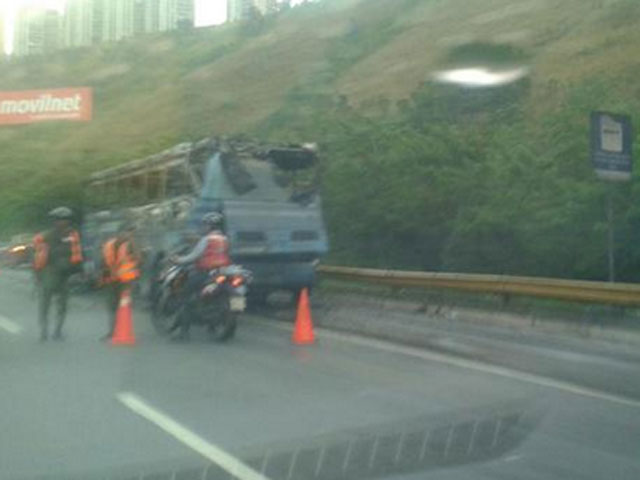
<point x="268" y="195"/>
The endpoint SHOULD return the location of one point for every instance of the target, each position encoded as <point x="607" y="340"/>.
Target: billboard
<point x="612" y="145"/>
<point x="31" y="106"/>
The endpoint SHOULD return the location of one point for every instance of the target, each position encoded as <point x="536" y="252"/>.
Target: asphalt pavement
<point x="347" y="407"/>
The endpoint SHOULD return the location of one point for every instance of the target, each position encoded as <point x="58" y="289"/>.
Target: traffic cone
<point x="303" y="328"/>
<point x="123" y="333"/>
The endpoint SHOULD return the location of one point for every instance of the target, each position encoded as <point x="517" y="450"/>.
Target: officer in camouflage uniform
<point x="57" y="255"/>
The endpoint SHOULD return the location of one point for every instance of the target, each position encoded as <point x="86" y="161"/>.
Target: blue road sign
<point x="611" y="146"/>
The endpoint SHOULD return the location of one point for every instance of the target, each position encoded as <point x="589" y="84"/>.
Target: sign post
<point x="612" y="158"/>
<point x="611" y="237"/>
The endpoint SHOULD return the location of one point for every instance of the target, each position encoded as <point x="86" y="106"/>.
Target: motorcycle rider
<point x="211" y="252"/>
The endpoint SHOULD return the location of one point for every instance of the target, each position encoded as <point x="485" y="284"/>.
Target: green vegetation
<point x="416" y="175"/>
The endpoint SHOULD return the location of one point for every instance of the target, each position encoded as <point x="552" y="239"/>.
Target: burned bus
<point x="269" y="197"/>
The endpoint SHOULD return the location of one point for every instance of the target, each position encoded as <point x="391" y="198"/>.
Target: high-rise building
<point x="238" y="10"/>
<point x="266" y="6"/>
<point x="37" y="31"/>
<point x="138" y="17"/>
<point x="52" y="31"/>
<point x="114" y="19"/>
<point x="2" y="43"/>
<point x="93" y="21"/>
<point x="185" y="13"/>
<point x="163" y="15"/>
<point x="78" y="23"/>
<point x="88" y="22"/>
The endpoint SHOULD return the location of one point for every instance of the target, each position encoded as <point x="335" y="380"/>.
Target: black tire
<point x="224" y="329"/>
<point x="164" y="313"/>
<point x="223" y="323"/>
<point x="153" y="287"/>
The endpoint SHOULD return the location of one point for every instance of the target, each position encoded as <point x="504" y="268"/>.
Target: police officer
<point x="211" y="252"/>
<point x="120" y="267"/>
<point x="57" y="255"/>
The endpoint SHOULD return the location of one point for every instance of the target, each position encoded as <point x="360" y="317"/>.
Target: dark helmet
<point x="213" y="220"/>
<point x="61" y="213"/>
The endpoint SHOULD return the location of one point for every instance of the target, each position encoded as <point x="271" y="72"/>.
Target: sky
<point x="208" y="12"/>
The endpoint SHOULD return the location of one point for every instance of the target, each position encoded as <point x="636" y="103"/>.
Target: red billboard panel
<point x="31" y="106"/>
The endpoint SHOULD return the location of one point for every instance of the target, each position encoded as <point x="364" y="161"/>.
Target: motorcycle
<point x="220" y="301"/>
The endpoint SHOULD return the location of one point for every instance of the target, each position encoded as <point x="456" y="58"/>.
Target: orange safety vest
<point x="41" y="250"/>
<point x="121" y="264"/>
<point x="216" y="254"/>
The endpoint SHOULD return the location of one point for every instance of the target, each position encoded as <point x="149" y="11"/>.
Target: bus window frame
<point x="154" y="181"/>
<point x="183" y="166"/>
<point x="115" y="188"/>
<point x="196" y="184"/>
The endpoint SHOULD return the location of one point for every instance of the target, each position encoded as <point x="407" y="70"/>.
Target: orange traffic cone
<point x="303" y="329"/>
<point x="123" y="333"/>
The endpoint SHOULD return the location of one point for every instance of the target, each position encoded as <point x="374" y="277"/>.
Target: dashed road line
<point x="210" y="451"/>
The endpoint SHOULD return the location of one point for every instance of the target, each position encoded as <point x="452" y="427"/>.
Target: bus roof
<point x="172" y="155"/>
<point x="287" y="157"/>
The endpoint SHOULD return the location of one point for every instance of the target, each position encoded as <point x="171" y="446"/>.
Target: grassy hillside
<point x="446" y="179"/>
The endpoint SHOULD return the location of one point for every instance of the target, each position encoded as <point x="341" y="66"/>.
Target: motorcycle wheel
<point x="164" y="313"/>
<point x="222" y="326"/>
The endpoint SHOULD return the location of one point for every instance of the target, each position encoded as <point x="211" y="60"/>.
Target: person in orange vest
<point x="120" y="268"/>
<point x="57" y="255"/>
<point x="211" y="252"/>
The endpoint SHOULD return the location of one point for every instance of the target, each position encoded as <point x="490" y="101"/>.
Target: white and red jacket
<point x="212" y="251"/>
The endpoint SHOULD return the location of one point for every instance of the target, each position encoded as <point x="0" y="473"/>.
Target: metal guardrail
<point x="623" y="294"/>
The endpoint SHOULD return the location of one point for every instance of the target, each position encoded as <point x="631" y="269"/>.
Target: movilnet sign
<point x="31" y="106"/>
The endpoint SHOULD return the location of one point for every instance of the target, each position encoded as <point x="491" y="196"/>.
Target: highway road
<point x="259" y="408"/>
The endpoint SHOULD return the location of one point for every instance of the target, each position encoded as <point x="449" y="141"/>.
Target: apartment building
<point x="77" y="24"/>
<point x="164" y="15"/>
<point x="238" y="10"/>
<point x="113" y="20"/>
<point x="88" y="22"/>
<point x="37" y="32"/>
<point x="2" y="34"/>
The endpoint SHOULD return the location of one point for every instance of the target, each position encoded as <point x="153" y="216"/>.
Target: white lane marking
<point x="9" y="325"/>
<point x="185" y="436"/>
<point x="468" y="364"/>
